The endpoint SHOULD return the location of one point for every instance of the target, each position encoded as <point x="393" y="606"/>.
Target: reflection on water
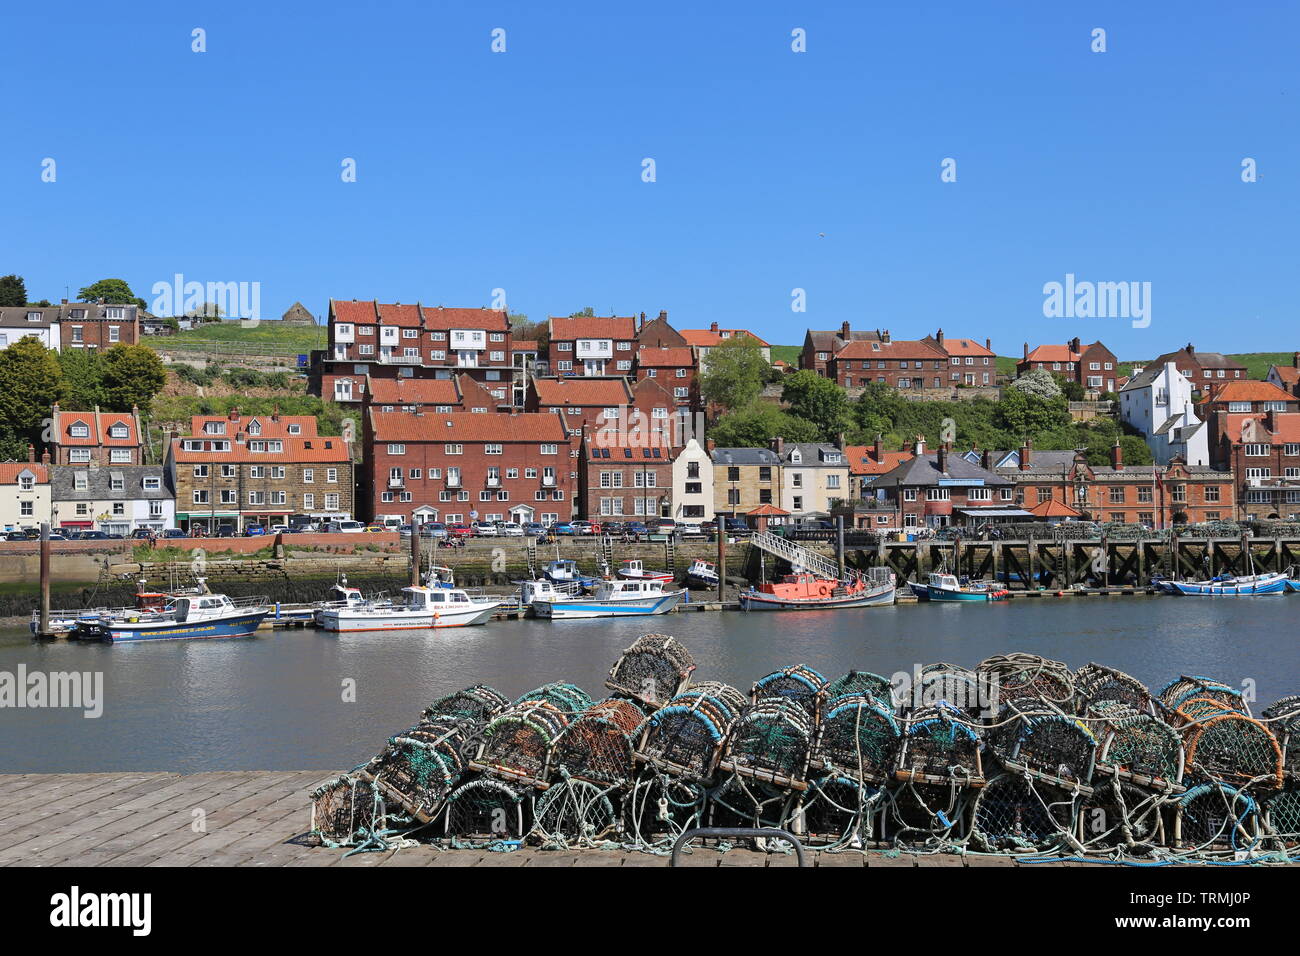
<point x="276" y="701"/>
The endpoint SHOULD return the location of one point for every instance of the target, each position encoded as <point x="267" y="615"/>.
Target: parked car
<point x="510" y="529"/>
<point x="637" y="528"/>
<point x="100" y="535"/>
<point x="534" y="529"/>
<point x="690" y="530"/>
<point x="345" y="527"/>
<point x="613" y="528"/>
<point x="562" y="527"/>
<point x="433" y="529"/>
<point x="253" y="530"/>
<point x="460" y="531"/>
<point x="377" y="529"/>
<point x="581" y="526"/>
<point x="485" y="530"/>
<point x="174" y="533"/>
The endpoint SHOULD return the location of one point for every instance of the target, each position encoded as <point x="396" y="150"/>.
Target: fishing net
<point x="1173" y="694"/>
<point x="660" y="808"/>
<point x="1282" y="818"/>
<point x="1137" y="747"/>
<point x="418" y="771"/>
<point x="486" y="811"/>
<point x="956" y="687"/>
<point x="345" y="810"/>
<point x="836" y="811"/>
<point x="939" y="747"/>
<point x="685" y="736"/>
<point x="1214" y="816"/>
<point x="516" y="743"/>
<point x="1284" y="717"/>
<point x="1054" y="747"/>
<point x="741" y="801"/>
<point x="800" y="683"/>
<point x="651" y="671"/>
<point x="566" y="698"/>
<point x="859" y="738"/>
<point x="932" y="816"/>
<point x="771" y="741"/>
<point x="1094" y="683"/>
<point x="479" y="702"/>
<point x="1019" y="814"/>
<point x="1121" y="814"/>
<point x="1030" y="676"/>
<point x="600" y="745"/>
<point x="576" y="813"/>
<point x="858" y="682"/>
<point x="1225" y="744"/>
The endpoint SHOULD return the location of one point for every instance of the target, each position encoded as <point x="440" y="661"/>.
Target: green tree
<point x="754" y="425"/>
<point x="83" y="378"/>
<point x="819" y="400"/>
<point x="13" y="291"/>
<point x="1021" y="414"/>
<point x="1040" y="383"/>
<point x="114" y="291"/>
<point x="31" y="381"/>
<point x="132" y="375"/>
<point x="733" y="373"/>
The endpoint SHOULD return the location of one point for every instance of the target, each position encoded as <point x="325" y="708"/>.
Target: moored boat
<point x="193" y="617"/>
<point x="632" y="569"/>
<point x="946" y="587"/>
<point x="702" y="574"/>
<point x="1227" y="585"/>
<point x="612" y="598"/>
<point x="565" y="571"/>
<point x="806" y="591"/>
<point x="422" y="607"/>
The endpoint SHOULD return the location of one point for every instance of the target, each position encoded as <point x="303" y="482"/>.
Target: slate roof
<point x="923" y="471"/>
<point x="99" y="480"/>
<point x="745" y="456"/>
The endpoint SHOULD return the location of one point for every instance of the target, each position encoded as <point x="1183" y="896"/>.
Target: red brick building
<point x="106" y="438"/>
<point x="676" y="369"/>
<point x="1226" y="405"/>
<point x="369" y="339"/>
<point x="658" y="334"/>
<point x="1287" y="376"/>
<point x="820" y="348"/>
<point x="1092" y="366"/>
<point x="1263" y="452"/>
<point x="869" y="462"/>
<point x="625" y="476"/>
<point x="969" y="363"/>
<point x="460" y="466"/>
<point x="1203" y="369"/>
<point x="457" y="394"/>
<point x="592" y="346"/>
<point x="98" y="325"/>
<point x="603" y="403"/>
<point x="901" y="364"/>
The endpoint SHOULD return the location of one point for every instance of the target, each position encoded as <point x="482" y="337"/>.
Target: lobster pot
<point x="939" y="747"/>
<point x="1172" y="696"/>
<point x="465" y="734"/>
<point x="954" y="687"/>
<point x="576" y="812"/>
<point x="344" y="809"/>
<point x="1229" y="746"/>
<point x="566" y="698"/>
<point x="1282" y="818"/>
<point x="658" y="807"/>
<point x="801" y="684"/>
<point x="1215" y="816"/>
<point x="479" y="702"/>
<point x="516" y="744"/>
<point x="1053" y="747"/>
<point x="919" y="814"/>
<point x="1094" y="683"/>
<point x="745" y="802"/>
<point x="835" y="811"/>
<point x="859" y="683"/>
<point x="485" y="810"/>
<point x="1284" y="717"/>
<point x="685" y="736"/>
<point x="655" y="668"/>
<point x="1121" y="814"/>
<point x="1013" y="813"/>
<point x="859" y="739"/>
<point x="725" y="694"/>
<point x="600" y="745"/>
<point x="418" y="772"/>
<point x="1139" y="748"/>
<point x="1028" y="675"/>
<point x="771" y="741"/>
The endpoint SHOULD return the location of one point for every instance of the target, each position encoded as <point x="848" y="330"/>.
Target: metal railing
<point x="796" y="555"/>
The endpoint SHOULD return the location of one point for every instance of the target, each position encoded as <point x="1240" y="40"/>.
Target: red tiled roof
<point x="1289" y="374"/>
<point x="602" y="392"/>
<point x="862" y="461"/>
<point x="667" y="357"/>
<point x="467" y="427"/>
<point x="897" y="349"/>
<point x="406" y="316"/>
<point x="592" y="327"/>
<point x="1054" y="509"/>
<point x="358" y="312"/>
<point x="414" y="315"/>
<point x="439" y="319"/>
<point x="269" y="428"/>
<point x="1286" y="427"/>
<point x="1052" y="353"/>
<point x="708" y="338"/>
<point x="956" y="346"/>
<point x="413" y="391"/>
<point x="295" y="450"/>
<point x="767" y="510"/>
<point x="1248" y="390"/>
<point x="99" y="426"/>
<point x="10" y="470"/>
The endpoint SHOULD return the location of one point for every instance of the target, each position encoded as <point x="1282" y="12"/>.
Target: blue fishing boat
<point x="946" y="587"/>
<point x="201" y="616"/>
<point x="1228" y="585"/>
<point x="565" y="571"/>
<point x="612" y="598"/>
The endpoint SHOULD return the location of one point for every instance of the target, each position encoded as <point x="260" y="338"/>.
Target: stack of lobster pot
<point x="1282" y="808"/>
<point x="650" y="672"/>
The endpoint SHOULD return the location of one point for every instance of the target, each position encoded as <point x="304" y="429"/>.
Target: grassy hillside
<point x="272" y="334"/>
<point x="787" y="353"/>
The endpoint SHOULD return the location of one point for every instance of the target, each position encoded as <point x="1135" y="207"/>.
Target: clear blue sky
<point x="522" y="170"/>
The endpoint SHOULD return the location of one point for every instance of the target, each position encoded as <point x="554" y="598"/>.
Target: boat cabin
<point x="421" y="598"/>
<point x="200" y="608"/>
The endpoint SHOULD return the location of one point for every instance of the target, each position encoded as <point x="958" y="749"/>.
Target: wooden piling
<point x="415" y="554"/>
<point x="45" y="580"/>
<point x="722" y="558"/>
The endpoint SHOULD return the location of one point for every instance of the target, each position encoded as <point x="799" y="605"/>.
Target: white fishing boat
<point x="421" y="607"/>
<point x="531" y="592"/>
<point x="194" y="617"/>
<point x="612" y="598"/>
<point x="632" y="569"/>
<point x="702" y="574"/>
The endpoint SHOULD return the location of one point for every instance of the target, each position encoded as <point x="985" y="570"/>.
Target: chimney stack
<point x="1026" y="453"/>
<point x="1189" y="350"/>
<point x="938" y="337"/>
<point x="1076" y="345"/>
<point x="844" y="331"/>
<point x="988" y="344"/>
<point x="840" y="444"/>
<point x="1295" y="360"/>
<point x="234" y="415"/>
<point x="663" y="314"/>
<point x="920" y="446"/>
<point x="879" y="450"/>
<point x="884" y="337"/>
<point x="710" y="445"/>
<point x="45" y="457"/>
<point x="777" y="445"/>
<point x="1116" y="456"/>
<point x="713" y="327"/>
<point x="986" y="460"/>
<point x="31" y="453"/>
<point x="943" y="458"/>
<point x="1026" y="351"/>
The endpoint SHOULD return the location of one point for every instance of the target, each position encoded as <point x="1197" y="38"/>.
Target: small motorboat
<point x="565" y="571"/>
<point x="805" y="591"/>
<point x="702" y="574"/>
<point x="1228" y="585"/>
<point x="146" y="602"/>
<point x="612" y="598"/>
<point x="946" y="587"/>
<point x="541" y="589"/>
<point x="191" y="617"/>
<point x="633" y="570"/>
<point x="422" y="606"/>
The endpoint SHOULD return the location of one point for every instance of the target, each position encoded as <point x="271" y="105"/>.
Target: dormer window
<point x="295" y="429"/>
<point x="118" y="431"/>
<point x="115" y="312"/>
<point x="26" y="481"/>
<point x="214" y="428"/>
<point x="79" y="430"/>
<point x="254" y="427"/>
<point x="796" y="457"/>
<point x="34" y="316"/>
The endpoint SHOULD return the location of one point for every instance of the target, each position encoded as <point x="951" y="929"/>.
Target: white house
<point x="1158" y="403"/>
<point x="114" y="499"/>
<point x="693" y="483"/>
<point x="813" y="477"/>
<point x="41" y="323"/>
<point x="24" y="495"/>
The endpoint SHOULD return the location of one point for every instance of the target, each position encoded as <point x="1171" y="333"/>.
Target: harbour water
<point x="280" y="701"/>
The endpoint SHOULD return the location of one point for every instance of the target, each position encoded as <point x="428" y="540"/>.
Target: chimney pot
<point x="1026" y="453"/>
<point x="713" y="327"/>
<point x="31" y="453"/>
<point x="1117" y="456"/>
<point x="938" y="336"/>
<point x="845" y="330"/>
<point x="879" y="453"/>
<point x="1026" y="351"/>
